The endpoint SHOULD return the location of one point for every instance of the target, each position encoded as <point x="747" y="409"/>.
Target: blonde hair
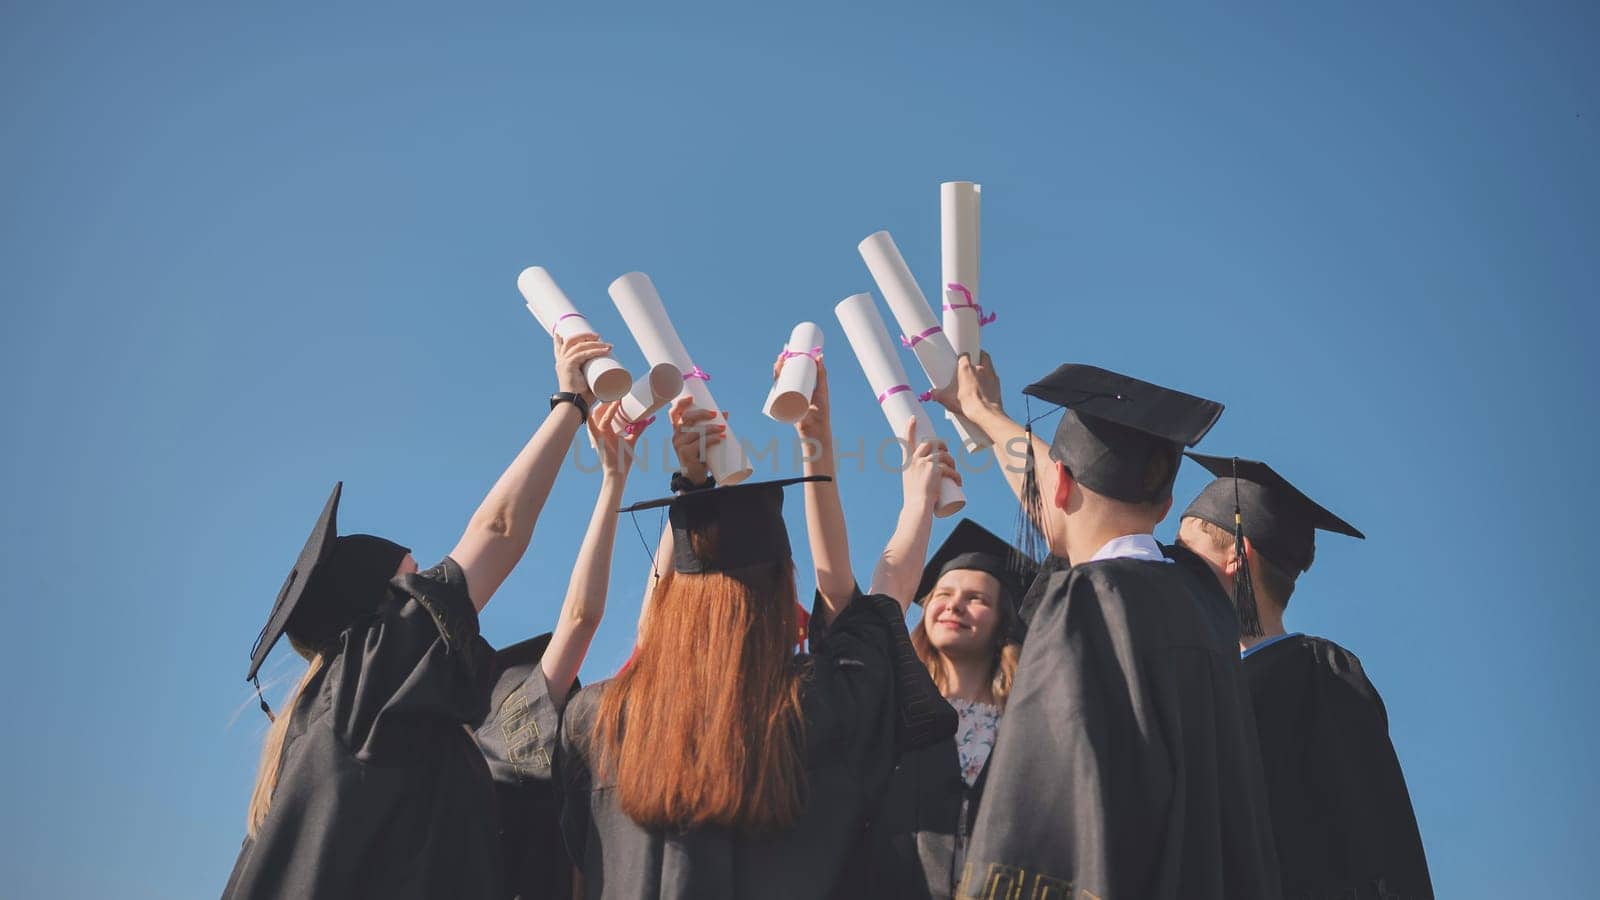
<point x="272" y="752"/>
<point x="1275" y="583"/>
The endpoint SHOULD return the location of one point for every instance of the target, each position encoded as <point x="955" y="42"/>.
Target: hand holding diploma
<point x="636" y="299"/>
<point x="606" y="379"/>
<point x="796" y="375"/>
<point x="870" y="340"/>
<point x="920" y="331"/>
<point x="928" y="466"/>
<point x="694" y="433"/>
<point x="974" y="394"/>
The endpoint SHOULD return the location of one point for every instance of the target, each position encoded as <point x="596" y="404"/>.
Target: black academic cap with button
<point x="971" y="546"/>
<point x="1276" y="516"/>
<point x="744" y="524"/>
<point x="1121" y="436"/>
<point x="334" y="581"/>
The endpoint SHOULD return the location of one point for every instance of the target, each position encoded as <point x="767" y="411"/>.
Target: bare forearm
<point x="585" y="603"/>
<point x="499" y="531"/>
<point x="825" y="528"/>
<point x="899" y="567"/>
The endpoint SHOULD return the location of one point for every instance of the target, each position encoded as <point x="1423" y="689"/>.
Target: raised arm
<point x="591" y="573"/>
<point x="899" y="567"/>
<point x="693" y="434"/>
<point x="975" y="395"/>
<point x="498" y="533"/>
<point x="825" y="525"/>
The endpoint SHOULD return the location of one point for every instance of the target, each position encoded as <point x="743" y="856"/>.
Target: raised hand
<point x="975" y="388"/>
<point x="927" y="465"/>
<point x="616" y="449"/>
<point x="816" y="422"/>
<point x="571" y="354"/>
<point x="694" y="433"/>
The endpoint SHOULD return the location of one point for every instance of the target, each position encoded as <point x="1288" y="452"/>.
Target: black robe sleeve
<point x="1341" y="811"/>
<point x="518" y="740"/>
<point x="417" y="663"/>
<point x="922" y="717"/>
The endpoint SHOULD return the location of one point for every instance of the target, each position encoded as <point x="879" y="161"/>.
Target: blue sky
<point x="251" y="251"/>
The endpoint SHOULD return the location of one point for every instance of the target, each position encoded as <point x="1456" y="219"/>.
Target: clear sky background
<point x="249" y="251"/>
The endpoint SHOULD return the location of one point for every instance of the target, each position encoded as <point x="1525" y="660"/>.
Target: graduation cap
<point x="1255" y="502"/>
<point x="971" y="546"/>
<point x="332" y="582"/>
<point x="1121" y="436"/>
<point x="747" y="519"/>
<point x="1275" y="515"/>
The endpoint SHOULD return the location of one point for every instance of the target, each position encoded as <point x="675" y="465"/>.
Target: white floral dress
<point x="976" y="726"/>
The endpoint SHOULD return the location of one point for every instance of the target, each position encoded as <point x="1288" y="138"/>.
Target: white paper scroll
<point x="870" y="340"/>
<point x="640" y="305"/>
<point x="650" y="393"/>
<point x="790" y="396"/>
<point x="920" y="330"/>
<point x="958" y="267"/>
<point x="556" y="314"/>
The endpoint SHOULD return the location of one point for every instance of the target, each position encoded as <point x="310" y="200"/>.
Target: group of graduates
<point x="1121" y="719"/>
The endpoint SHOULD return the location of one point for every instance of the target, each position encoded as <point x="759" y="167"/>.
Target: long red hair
<point x="704" y="727"/>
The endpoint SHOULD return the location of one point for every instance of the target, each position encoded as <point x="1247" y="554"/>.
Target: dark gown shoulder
<point x="381" y="791"/>
<point x="1126" y="763"/>
<point x="518" y="740"/>
<point x="1341" y="811"/>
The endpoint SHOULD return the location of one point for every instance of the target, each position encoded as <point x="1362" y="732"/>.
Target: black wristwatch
<point x="681" y="484"/>
<point x="560" y="397"/>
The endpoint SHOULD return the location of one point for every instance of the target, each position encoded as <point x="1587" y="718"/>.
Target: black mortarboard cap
<point x="1121" y="436"/>
<point x="1276" y="516"/>
<point x="971" y="546"/>
<point x="333" y="580"/>
<point x="747" y="520"/>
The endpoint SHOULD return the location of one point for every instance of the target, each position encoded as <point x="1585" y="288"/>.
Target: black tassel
<point x="263" y="700"/>
<point x="1244" y="588"/>
<point x="1030" y="515"/>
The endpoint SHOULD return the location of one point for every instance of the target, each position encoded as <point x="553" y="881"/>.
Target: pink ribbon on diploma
<point x="961" y="289"/>
<point x="564" y="317"/>
<point x="909" y="342"/>
<point x="890" y="392"/>
<point x="815" y="353"/>
<point x="633" y="428"/>
<point x="697" y="372"/>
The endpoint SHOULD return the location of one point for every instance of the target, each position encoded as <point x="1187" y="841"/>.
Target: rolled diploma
<point x="958" y="244"/>
<point x="912" y="314"/>
<point x="636" y="299"/>
<point x="556" y="314"/>
<point x="790" y="396"/>
<point x="870" y="340"/>
<point x="651" y="391"/>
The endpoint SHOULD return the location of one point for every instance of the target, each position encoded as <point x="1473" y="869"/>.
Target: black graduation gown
<point x="849" y="708"/>
<point x="1340" y="810"/>
<point x="912" y="840"/>
<point x="1126" y="766"/>
<point x="519" y="739"/>
<point x="382" y="792"/>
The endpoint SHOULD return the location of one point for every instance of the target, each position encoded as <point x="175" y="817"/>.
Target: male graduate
<point x="1126" y="765"/>
<point x="1341" y="814"/>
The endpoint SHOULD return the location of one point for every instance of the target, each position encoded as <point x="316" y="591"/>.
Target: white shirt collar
<point x="1131" y="546"/>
